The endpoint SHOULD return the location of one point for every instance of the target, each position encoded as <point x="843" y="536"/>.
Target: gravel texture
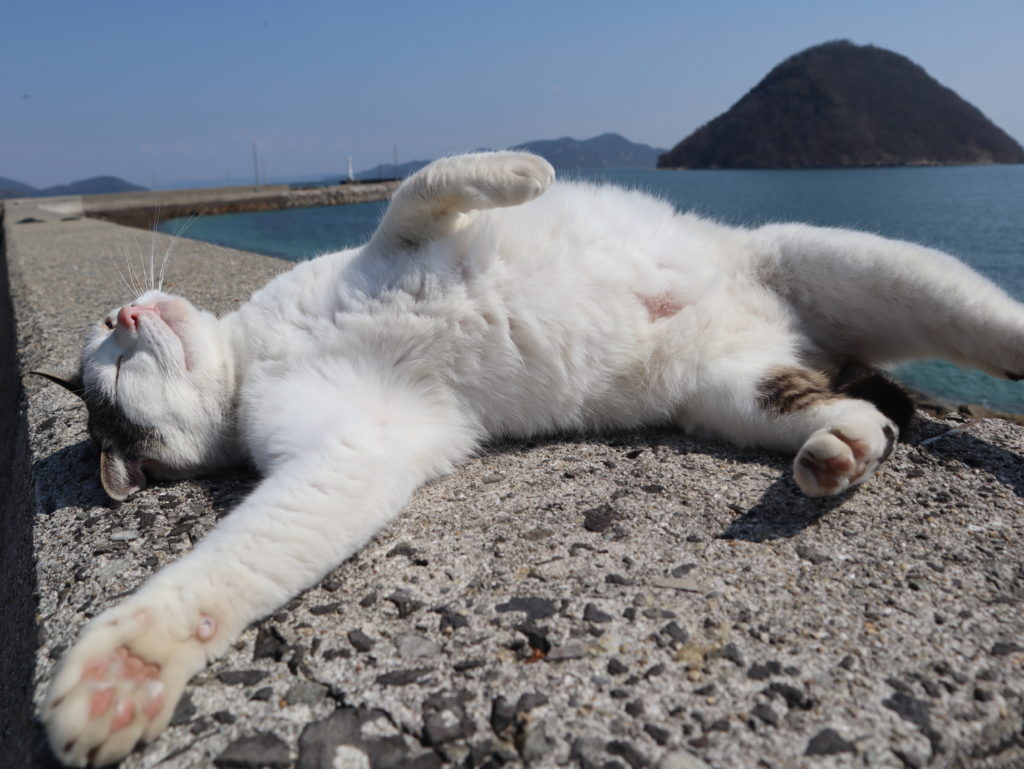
<point x="624" y="601"/>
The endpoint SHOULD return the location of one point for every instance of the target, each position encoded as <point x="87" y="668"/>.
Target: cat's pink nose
<point x="128" y="316"/>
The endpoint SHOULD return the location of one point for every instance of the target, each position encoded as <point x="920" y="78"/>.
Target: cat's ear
<point x="120" y="477"/>
<point x="68" y="378"/>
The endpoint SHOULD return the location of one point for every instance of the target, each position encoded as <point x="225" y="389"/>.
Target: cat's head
<point x="157" y="380"/>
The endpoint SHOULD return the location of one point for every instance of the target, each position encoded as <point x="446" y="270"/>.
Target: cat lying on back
<point x="488" y="303"/>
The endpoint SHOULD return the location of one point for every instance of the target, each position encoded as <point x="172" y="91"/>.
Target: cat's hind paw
<point x="119" y="684"/>
<point x="521" y="177"/>
<point x="842" y="456"/>
<point x="492" y="179"/>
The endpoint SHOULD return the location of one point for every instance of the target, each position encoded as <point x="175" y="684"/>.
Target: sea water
<point x="973" y="212"/>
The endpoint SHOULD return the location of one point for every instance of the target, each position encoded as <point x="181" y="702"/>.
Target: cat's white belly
<point x="607" y="335"/>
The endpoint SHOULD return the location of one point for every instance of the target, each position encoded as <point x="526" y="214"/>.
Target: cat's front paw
<point x="120" y="682"/>
<point x="842" y="456"/>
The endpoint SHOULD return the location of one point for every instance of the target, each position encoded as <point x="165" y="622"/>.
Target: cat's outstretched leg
<point x="430" y="203"/>
<point x="876" y="300"/>
<point x="330" y="487"/>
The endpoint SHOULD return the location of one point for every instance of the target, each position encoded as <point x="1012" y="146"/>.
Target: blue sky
<point x="158" y="93"/>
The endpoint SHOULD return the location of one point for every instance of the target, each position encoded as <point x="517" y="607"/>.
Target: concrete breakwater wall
<point x="641" y="600"/>
<point x="143" y="209"/>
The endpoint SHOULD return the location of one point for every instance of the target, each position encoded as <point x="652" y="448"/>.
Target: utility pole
<point x="255" y="166"/>
<point x="396" y="161"/>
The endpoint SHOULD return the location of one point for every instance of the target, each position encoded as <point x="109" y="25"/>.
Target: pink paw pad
<point x="95" y="670"/>
<point x="829" y="472"/>
<point x="156" y="700"/>
<point x="860" y="448"/>
<point x="124" y="714"/>
<point x="132" y="670"/>
<point x="101" y="702"/>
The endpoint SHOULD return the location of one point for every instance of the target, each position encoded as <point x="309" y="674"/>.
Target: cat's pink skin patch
<point x="661" y="306"/>
<point x="207" y="628"/>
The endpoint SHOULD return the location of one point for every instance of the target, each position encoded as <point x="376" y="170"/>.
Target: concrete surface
<point x="639" y="600"/>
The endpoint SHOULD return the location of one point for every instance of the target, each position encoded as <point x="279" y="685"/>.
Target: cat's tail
<point x="863" y="297"/>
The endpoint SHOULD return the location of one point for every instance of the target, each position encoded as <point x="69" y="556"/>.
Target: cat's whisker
<point x="118" y="268"/>
<point x="136" y="288"/>
<point x="152" y="248"/>
<point x="142" y="261"/>
<point x="133" y="288"/>
<point x="170" y="246"/>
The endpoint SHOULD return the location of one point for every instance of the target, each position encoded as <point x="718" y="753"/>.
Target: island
<point x="845" y="105"/>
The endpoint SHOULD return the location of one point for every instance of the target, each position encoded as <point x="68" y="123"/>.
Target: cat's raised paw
<point x="119" y="684"/>
<point x="845" y="455"/>
<point x="508" y="179"/>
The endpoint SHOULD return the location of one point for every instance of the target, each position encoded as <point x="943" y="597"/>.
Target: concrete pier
<point x="143" y="209"/>
<point x="637" y="600"/>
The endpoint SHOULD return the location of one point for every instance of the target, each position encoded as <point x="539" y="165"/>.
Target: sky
<point x="162" y="94"/>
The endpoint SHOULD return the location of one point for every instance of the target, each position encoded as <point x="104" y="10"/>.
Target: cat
<point x="490" y="302"/>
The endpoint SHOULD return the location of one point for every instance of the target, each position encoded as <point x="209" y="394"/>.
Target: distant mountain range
<point x="608" y="150"/>
<point x="390" y="170"/>
<point x="841" y="104"/>
<point x="605" y="151"/>
<point x="96" y="185"/>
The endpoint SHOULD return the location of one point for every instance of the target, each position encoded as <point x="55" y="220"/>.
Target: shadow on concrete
<point x="228" y="488"/>
<point x="962" y="447"/>
<point x="782" y="512"/>
<point x="21" y="742"/>
<point x="78" y="463"/>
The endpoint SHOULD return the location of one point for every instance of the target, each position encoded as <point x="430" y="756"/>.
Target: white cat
<point x="479" y="308"/>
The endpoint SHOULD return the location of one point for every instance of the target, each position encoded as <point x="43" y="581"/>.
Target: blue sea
<point x="975" y="213"/>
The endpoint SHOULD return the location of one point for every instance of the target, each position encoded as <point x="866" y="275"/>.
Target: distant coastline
<point x="606" y="151"/>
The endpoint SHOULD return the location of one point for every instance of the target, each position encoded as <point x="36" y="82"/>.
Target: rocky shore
<point x="613" y="602"/>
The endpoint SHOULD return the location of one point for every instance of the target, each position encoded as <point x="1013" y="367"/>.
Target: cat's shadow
<point x="781" y="512"/>
<point x="69" y="477"/>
